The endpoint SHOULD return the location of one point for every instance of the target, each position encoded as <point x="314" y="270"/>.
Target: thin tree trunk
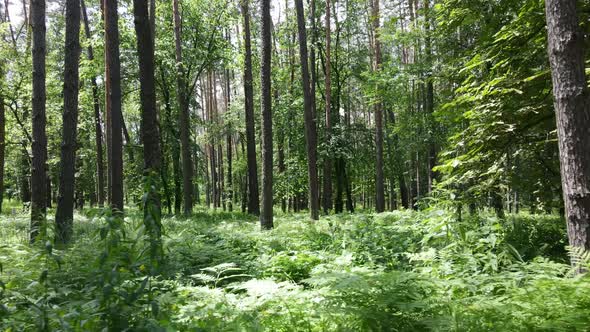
<point x="572" y="107"/>
<point x="310" y="123"/>
<point x="97" y="122"/>
<point x="281" y="156"/>
<point x="230" y="191"/>
<point x="164" y="172"/>
<point x="211" y="145"/>
<point x="39" y="161"/>
<point x="245" y="187"/>
<point x="128" y="142"/>
<point x="152" y="156"/>
<point x="64" y="216"/>
<point x="149" y="118"/>
<point x="253" y="198"/>
<point x="312" y="58"/>
<point x="24" y="184"/>
<point x="221" y="193"/>
<point x="175" y="150"/>
<point x="432" y="155"/>
<point x="208" y="200"/>
<point x="113" y="103"/>
<point x="2" y="139"/>
<point x="327" y="195"/>
<point x="266" y="215"/>
<point x="184" y="117"/>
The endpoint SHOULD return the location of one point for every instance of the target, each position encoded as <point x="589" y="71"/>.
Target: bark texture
<point x="2" y="140"/>
<point x="184" y="118"/>
<point x="39" y="160"/>
<point x="230" y="190"/>
<point x="310" y="122"/>
<point x="150" y="134"/>
<point x="327" y="184"/>
<point x="113" y="104"/>
<point x="266" y="215"/>
<point x="2" y="137"/>
<point x="572" y="108"/>
<point x="429" y="100"/>
<point x="253" y="198"/>
<point x="64" y="215"/>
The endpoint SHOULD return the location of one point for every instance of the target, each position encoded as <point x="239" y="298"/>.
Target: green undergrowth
<point x="398" y="271"/>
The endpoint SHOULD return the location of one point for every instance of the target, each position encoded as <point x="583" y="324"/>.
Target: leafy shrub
<point x="294" y="266"/>
<point x="538" y="235"/>
<point x="399" y="271"/>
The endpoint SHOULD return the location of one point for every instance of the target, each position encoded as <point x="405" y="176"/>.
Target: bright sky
<point x="16" y="11"/>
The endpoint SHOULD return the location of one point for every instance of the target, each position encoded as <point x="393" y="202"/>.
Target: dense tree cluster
<point x="415" y="165"/>
<point x="362" y="105"/>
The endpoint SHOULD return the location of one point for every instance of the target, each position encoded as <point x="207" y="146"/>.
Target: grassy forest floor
<point x="399" y="271"/>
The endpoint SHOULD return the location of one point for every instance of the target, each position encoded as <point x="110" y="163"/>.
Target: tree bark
<point x="266" y="215"/>
<point x="64" y="216"/>
<point x="429" y="105"/>
<point x="39" y="160"/>
<point x="152" y="156"/>
<point x="2" y="139"/>
<point x="149" y="119"/>
<point x="113" y="104"/>
<point x="253" y="195"/>
<point x="228" y="137"/>
<point x="310" y="123"/>
<point x="184" y="117"/>
<point x="211" y="144"/>
<point x="572" y="108"/>
<point x="2" y="127"/>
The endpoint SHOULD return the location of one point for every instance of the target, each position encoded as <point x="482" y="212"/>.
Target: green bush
<point x="399" y="271"/>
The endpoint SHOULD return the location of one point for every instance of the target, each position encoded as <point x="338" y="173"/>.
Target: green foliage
<point x="403" y="271"/>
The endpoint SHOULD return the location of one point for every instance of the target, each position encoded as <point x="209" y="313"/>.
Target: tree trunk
<point x="220" y="191"/>
<point x="310" y="123"/>
<point x="211" y="144"/>
<point x="184" y="117"/>
<point x="245" y="182"/>
<point x="97" y="122"/>
<point x="349" y="200"/>
<point x="312" y="59"/>
<point x="149" y="118"/>
<point x="2" y="139"/>
<point x="266" y="215"/>
<point x="572" y="108"/>
<point x="39" y="161"/>
<point x="173" y="141"/>
<point x="152" y="156"/>
<point x="24" y="184"/>
<point x="379" y="179"/>
<point x="128" y="142"/>
<point x="64" y="216"/>
<point x="432" y="155"/>
<point x="230" y="191"/>
<point x="253" y="198"/>
<point x="327" y="187"/>
<point x="113" y="104"/>
<point x="208" y="195"/>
